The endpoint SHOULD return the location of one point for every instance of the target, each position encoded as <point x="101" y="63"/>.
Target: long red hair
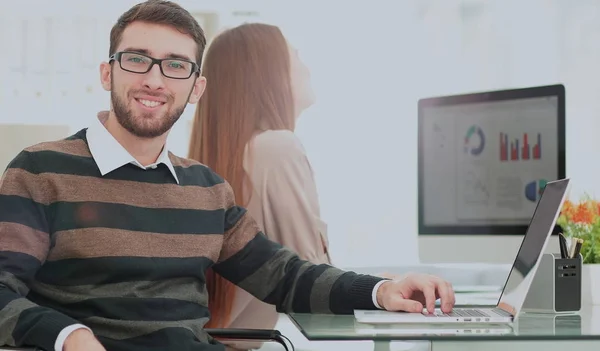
<point x="248" y="88"/>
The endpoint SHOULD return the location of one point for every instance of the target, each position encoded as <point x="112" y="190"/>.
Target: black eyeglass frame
<point x="117" y="57"/>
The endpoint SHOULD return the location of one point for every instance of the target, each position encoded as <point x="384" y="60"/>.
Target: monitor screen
<point x="485" y="157"/>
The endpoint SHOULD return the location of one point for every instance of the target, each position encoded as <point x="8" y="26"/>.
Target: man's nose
<point x="154" y="79"/>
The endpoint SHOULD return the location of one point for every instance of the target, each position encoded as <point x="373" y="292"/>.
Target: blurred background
<point x="370" y="62"/>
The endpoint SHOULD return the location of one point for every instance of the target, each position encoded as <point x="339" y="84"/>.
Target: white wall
<point x="49" y="68"/>
<point x="370" y="62"/>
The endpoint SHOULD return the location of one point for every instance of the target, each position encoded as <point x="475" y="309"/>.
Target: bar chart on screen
<point x="520" y="148"/>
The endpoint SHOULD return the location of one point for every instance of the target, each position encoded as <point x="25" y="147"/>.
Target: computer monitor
<point x="483" y="159"/>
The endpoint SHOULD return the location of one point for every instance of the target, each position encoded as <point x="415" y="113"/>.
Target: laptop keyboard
<point x="458" y="313"/>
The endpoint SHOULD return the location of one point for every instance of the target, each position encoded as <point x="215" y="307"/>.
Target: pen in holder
<point x="556" y="286"/>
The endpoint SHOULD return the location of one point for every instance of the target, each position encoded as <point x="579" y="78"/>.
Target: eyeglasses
<point x="139" y="63"/>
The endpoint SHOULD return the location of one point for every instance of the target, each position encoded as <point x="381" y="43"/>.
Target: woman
<point x="244" y="130"/>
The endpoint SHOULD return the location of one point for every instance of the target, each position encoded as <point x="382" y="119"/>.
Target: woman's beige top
<point x="284" y="203"/>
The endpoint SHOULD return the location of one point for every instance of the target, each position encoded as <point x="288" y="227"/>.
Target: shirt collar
<point x="110" y="155"/>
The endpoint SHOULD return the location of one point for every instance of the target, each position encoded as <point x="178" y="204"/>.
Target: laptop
<point x="519" y="279"/>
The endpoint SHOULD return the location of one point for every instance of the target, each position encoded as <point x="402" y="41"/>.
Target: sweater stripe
<point x="73" y="215"/>
<point x="11" y="306"/>
<point x="24" y="239"/>
<point x="274" y="267"/>
<point x="17" y="265"/>
<point x="13" y="283"/>
<point x="17" y="209"/>
<point x="301" y="302"/>
<point x="247" y="260"/>
<point x="6" y="300"/>
<point x="13" y="185"/>
<point x="154" y="341"/>
<point x="240" y="235"/>
<point x="123" y="192"/>
<point x="69" y="146"/>
<point x="97" y="242"/>
<point x="117" y="329"/>
<point x="175" y="288"/>
<point x="63" y="163"/>
<point x="128" y="308"/>
<point x="319" y="298"/>
<point x="108" y="270"/>
<point x="290" y="279"/>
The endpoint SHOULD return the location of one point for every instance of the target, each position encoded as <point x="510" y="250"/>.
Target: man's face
<point x="148" y="104"/>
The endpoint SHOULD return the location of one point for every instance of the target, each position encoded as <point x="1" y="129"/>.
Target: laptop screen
<point x="533" y="245"/>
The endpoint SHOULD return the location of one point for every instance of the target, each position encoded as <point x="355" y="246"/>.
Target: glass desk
<point x="547" y="332"/>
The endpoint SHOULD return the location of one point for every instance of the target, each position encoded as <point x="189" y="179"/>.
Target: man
<point x="105" y="236"/>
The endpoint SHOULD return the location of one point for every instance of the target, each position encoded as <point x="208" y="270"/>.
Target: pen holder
<point x="556" y="286"/>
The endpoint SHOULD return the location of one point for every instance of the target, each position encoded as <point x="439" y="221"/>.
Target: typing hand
<point x="414" y="292"/>
<point x="82" y="340"/>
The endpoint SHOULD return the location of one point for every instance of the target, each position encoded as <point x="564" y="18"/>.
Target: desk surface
<point x="584" y="325"/>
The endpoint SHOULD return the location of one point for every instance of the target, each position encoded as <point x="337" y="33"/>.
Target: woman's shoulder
<point x="276" y="144"/>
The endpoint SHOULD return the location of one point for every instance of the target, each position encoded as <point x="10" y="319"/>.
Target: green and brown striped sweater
<point x="126" y="253"/>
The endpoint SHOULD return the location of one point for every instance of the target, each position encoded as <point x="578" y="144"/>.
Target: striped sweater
<point x="125" y="253"/>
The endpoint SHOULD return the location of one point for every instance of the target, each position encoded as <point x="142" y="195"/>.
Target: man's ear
<point x="197" y="90"/>
<point x="105" y="76"/>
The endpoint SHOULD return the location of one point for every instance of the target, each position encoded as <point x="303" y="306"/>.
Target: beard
<point x="145" y="125"/>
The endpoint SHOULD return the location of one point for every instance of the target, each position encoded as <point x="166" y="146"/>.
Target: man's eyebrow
<point x="170" y="55"/>
<point x="178" y="56"/>
<point x="138" y="50"/>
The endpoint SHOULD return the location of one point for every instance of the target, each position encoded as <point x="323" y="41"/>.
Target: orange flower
<point x="568" y="209"/>
<point x="584" y="213"/>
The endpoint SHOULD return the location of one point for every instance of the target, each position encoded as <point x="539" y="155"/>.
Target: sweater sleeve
<point x="24" y="245"/>
<point x="276" y="275"/>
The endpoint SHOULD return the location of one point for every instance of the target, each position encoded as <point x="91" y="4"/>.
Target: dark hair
<point x="160" y="12"/>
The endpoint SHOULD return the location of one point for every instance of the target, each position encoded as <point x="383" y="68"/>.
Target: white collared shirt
<point x="110" y="155"/>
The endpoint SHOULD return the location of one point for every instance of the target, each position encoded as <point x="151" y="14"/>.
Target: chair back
<point x="15" y="137"/>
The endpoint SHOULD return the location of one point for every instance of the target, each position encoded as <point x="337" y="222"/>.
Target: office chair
<point x="15" y="137"/>
<point x="252" y="334"/>
<point x="232" y="334"/>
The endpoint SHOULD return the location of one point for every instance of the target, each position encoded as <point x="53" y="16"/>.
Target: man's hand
<point x="82" y="340"/>
<point x="414" y="292"/>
